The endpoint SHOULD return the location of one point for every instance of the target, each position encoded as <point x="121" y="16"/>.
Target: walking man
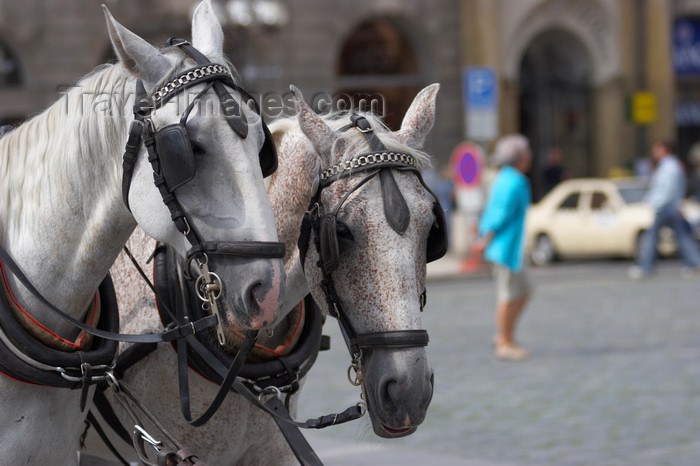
<point x="501" y="239"/>
<point x="665" y="195"/>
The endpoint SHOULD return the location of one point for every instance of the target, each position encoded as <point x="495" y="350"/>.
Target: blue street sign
<point x="481" y="88"/>
<point x="686" y="46"/>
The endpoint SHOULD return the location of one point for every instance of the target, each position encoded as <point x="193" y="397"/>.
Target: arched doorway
<point x="555" y="104"/>
<point x="378" y="64"/>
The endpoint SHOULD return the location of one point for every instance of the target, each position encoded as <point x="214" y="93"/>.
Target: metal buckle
<point x="271" y="390"/>
<point x="156" y="444"/>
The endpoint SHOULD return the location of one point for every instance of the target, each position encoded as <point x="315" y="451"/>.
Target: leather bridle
<point x="379" y="162"/>
<point x="57" y="370"/>
<point x="167" y="179"/>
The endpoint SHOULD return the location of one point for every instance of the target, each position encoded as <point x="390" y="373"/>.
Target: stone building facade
<point x="566" y="70"/>
<point x="46" y="45"/>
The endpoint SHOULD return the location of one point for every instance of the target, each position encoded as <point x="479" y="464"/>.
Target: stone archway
<point x="379" y="67"/>
<point x="555" y="82"/>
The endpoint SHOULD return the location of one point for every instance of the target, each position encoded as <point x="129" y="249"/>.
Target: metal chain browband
<point x="188" y="78"/>
<point x="367" y="161"/>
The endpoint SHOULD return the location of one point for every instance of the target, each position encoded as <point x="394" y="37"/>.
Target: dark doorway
<point x="555" y="105"/>
<point x="378" y="69"/>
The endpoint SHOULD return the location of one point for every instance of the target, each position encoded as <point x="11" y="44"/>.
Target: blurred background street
<point x="614" y="376"/>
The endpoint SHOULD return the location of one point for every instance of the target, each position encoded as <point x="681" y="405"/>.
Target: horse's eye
<point x="343" y="232"/>
<point x="197" y="149"/>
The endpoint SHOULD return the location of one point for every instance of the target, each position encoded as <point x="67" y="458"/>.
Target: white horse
<point x="379" y="279"/>
<point x="63" y="220"/>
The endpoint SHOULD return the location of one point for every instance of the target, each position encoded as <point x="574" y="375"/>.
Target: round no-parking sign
<point x="467" y="163"/>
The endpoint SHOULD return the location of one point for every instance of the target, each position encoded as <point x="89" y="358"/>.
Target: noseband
<point x="379" y="162"/>
<point x="173" y="162"/>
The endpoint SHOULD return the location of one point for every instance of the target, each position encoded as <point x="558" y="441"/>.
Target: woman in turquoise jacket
<point x="501" y="239"/>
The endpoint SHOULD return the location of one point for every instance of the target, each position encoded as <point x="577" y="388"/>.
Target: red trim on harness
<point x="41" y="326"/>
<point x="285" y="344"/>
<point x="22" y="381"/>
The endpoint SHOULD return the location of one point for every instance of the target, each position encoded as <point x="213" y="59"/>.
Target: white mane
<point x="63" y="149"/>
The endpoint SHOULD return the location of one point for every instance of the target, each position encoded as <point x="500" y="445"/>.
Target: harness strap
<point x="107" y="412"/>
<point x="131" y="153"/>
<point x="225" y="387"/>
<point x="168" y="335"/>
<point x="139" y="436"/>
<point x="91" y="420"/>
<point x="142" y="108"/>
<point x="262" y="249"/>
<point x="393" y="339"/>
<point x="295" y="439"/>
<point x="232" y="111"/>
<point x="396" y="210"/>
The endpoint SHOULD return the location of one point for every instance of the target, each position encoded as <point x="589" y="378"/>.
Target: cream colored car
<point x="594" y="217"/>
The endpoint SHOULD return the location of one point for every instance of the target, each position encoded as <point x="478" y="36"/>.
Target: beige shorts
<point x="510" y="285"/>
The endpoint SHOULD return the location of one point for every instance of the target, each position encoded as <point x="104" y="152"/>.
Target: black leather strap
<point x="232" y="112"/>
<point x="131" y="153"/>
<point x="254" y="249"/>
<point x="393" y="339"/>
<point x="295" y="439"/>
<point x="92" y="421"/>
<point x="225" y="387"/>
<point x="110" y="417"/>
<point x="168" y="335"/>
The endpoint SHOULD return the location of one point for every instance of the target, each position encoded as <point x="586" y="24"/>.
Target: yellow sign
<point x="643" y="108"/>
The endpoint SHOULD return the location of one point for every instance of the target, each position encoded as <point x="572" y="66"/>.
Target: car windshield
<point x="632" y="194"/>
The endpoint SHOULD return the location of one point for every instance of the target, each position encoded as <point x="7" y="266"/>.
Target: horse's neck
<point x="290" y="192"/>
<point x="62" y="217"/>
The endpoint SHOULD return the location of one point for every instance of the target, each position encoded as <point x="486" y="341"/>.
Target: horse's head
<point x="376" y="226"/>
<point x="207" y="148"/>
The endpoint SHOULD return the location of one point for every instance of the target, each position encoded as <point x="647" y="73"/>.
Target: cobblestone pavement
<point x="614" y="377"/>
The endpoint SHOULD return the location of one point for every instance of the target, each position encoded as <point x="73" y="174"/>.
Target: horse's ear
<point x="419" y="118"/>
<point x="318" y="132"/>
<point x="137" y="55"/>
<point x="207" y="34"/>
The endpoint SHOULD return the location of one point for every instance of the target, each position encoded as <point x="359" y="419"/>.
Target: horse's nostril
<point x="389" y="390"/>
<point x="255" y="295"/>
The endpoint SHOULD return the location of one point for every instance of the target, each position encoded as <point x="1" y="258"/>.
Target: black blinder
<point x="268" y="154"/>
<point x="177" y="164"/>
<point x="437" y="237"/>
<point x="330" y="253"/>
